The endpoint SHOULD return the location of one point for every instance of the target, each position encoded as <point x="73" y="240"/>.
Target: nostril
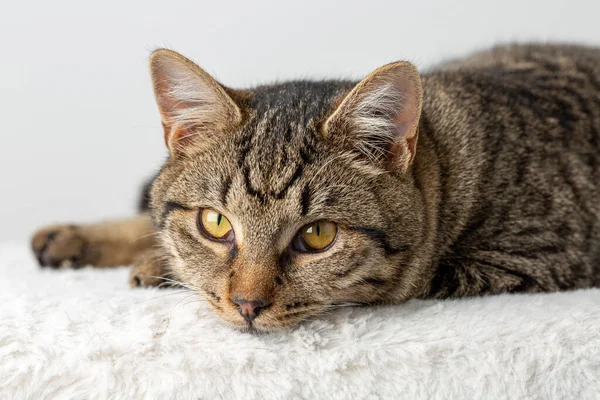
<point x="249" y="309"/>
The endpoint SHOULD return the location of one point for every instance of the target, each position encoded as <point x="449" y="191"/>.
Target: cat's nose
<point x="249" y="308"/>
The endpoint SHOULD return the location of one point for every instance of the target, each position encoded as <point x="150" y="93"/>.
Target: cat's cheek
<point x="196" y="261"/>
<point x="355" y="254"/>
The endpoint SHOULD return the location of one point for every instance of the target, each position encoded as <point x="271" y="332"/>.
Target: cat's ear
<point x="380" y="116"/>
<point x="193" y="106"/>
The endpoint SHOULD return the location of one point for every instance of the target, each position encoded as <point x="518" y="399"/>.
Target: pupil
<point x="219" y="219"/>
<point x="318" y="229"/>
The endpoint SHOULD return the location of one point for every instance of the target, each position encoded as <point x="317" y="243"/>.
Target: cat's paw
<point x="147" y="271"/>
<point x="60" y="246"/>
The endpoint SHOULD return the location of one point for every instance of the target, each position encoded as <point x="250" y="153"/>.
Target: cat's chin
<point x="255" y="329"/>
<point x="258" y="327"/>
<point x="261" y="325"/>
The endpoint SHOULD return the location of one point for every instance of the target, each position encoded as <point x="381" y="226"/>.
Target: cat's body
<point x="516" y="133"/>
<point x="501" y="195"/>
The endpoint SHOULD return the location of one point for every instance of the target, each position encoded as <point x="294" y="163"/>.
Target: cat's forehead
<point x="297" y="100"/>
<point x="277" y="164"/>
<point x="284" y="112"/>
<point x="280" y="137"/>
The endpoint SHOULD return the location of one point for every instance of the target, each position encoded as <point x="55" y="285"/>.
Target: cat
<point x="281" y="202"/>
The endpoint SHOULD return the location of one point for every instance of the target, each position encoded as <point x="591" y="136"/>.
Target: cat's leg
<point x="105" y="244"/>
<point x="149" y="270"/>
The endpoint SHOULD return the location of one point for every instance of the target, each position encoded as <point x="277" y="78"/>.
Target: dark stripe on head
<point x="251" y="191"/>
<point x="169" y="207"/>
<point x="305" y="200"/>
<point x="380" y="237"/>
<point x="225" y="190"/>
<point x="294" y="178"/>
<point x="244" y="145"/>
<point x="305" y="158"/>
<point x="245" y="149"/>
<point x="263" y="194"/>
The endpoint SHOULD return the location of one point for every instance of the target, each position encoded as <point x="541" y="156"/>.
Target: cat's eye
<point x="215" y="225"/>
<point x="317" y="236"/>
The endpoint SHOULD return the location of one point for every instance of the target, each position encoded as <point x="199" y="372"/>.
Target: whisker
<point x="173" y="281"/>
<point x="194" y="301"/>
<point x="179" y="303"/>
<point x="157" y="234"/>
<point x="161" y="296"/>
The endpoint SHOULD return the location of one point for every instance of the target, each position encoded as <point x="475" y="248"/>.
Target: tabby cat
<point x="280" y="202"/>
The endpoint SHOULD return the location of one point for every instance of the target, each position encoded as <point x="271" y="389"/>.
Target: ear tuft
<point x="380" y="116"/>
<point x="191" y="103"/>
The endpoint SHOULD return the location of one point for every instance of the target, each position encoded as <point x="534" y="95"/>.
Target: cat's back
<point x="529" y="57"/>
<point x="543" y="98"/>
<point x="517" y="129"/>
<point x="525" y="72"/>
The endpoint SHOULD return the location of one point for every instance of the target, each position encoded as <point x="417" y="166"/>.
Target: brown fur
<point x="489" y="184"/>
<point x="106" y="244"/>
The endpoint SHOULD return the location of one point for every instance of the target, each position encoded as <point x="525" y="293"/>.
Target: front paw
<point x="60" y="246"/>
<point x="148" y="271"/>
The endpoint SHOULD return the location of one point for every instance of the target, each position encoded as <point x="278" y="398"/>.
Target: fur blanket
<point x="84" y="334"/>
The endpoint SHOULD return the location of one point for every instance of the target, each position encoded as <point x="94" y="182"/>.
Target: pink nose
<point x="249" y="308"/>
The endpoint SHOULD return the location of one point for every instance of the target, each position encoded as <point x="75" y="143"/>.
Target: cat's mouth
<point x="276" y="317"/>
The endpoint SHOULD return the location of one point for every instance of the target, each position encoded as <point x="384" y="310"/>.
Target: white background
<point x="79" y="130"/>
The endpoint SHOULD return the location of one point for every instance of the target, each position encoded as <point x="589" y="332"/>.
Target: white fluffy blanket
<point x="85" y="334"/>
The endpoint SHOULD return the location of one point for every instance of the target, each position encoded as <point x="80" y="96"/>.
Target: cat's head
<point x="281" y="202"/>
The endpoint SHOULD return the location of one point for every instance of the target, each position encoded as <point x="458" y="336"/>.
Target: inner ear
<point x="380" y="116"/>
<point x="193" y="106"/>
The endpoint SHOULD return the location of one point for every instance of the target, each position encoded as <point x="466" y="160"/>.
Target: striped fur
<point x="502" y="194"/>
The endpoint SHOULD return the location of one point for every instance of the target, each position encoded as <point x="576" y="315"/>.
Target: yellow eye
<point x="215" y="225"/>
<point x="316" y="236"/>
